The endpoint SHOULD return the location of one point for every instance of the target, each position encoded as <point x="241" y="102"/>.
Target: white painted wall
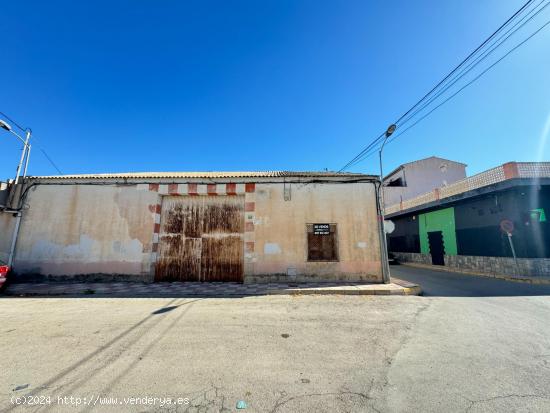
<point x="423" y="176"/>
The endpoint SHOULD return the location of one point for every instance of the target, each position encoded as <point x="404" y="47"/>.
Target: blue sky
<point x="129" y="85"/>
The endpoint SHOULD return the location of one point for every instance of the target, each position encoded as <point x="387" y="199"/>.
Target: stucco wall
<point x="280" y="249"/>
<point x="423" y="176"/>
<point x="97" y="231"/>
<point x="73" y="230"/>
<point x="7" y="224"/>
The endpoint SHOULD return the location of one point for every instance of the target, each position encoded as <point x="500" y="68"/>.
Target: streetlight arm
<point x="19" y="137"/>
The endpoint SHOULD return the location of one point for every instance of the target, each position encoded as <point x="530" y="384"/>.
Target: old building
<point x="418" y="177"/>
<point x="495" y="222"/>
<point x="214" y="226"/>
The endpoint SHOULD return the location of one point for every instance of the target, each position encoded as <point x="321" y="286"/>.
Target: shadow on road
<point x="94" y="362"/>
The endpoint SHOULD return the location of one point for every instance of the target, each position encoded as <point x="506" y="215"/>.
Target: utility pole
<point x="25" y="155"/>
<point x="381" y="207"/>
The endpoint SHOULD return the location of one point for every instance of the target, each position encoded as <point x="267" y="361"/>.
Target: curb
<point x="527" y="280"/>
<point x="396" y="287"/>
<point x="408" y="287"/>
<point x="411" y="289"/>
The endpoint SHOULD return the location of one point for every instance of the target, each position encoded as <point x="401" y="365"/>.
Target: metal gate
<point x="201" y="239"/>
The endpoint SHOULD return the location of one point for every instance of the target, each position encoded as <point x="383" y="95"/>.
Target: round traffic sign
<point x="507" y="226"/>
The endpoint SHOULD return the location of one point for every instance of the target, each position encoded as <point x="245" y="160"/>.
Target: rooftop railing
<point x="492" y="176"/>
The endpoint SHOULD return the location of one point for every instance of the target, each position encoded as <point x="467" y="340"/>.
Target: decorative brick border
<point x="199" y="189"/>
<point x="194" y="189"/>
<point x="249" y="235"/>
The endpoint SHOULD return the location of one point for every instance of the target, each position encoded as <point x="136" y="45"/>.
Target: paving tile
<point x="212" y="289"/>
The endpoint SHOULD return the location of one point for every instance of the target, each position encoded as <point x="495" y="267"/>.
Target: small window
<point x="322" y="242"/>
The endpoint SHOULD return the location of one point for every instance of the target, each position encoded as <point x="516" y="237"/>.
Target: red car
<point x="4" y="269"/>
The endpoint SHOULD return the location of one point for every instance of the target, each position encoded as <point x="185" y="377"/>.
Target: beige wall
<point x="280" y="232"/>
<point x="7" y="224"/>
<point x="75" y="229"/>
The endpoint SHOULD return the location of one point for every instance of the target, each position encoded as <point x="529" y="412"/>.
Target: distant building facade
<point x="479" y="223"/>
<point x="416" y="178"/>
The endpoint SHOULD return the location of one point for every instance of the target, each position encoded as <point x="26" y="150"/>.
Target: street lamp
<point x="25" y="154"/>
<point x="384" y="244"/>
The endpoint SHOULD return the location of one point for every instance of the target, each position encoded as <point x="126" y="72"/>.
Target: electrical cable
<point x="376" y="140"/>
<point x="478" y="60"/>
<point x="34" y="138"/>
<point x="460" y="90"/>
<point x="12" y="121"/>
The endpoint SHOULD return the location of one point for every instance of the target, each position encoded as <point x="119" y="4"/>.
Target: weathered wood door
<point x="201" y="239"/>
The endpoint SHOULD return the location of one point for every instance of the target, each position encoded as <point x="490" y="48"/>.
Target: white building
<point x="419" y="177"/>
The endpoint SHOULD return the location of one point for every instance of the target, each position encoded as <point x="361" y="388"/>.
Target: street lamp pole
<point x="382" y="206"/>
<point x="25" y="155"/>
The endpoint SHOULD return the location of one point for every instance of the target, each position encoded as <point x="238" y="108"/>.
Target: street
<point x="470" y="344"/>
<point x="452" y="284"/>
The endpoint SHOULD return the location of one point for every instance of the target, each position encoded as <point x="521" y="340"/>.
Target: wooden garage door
<point x="201" y="239"/>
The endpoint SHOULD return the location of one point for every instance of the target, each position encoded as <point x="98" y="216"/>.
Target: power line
<point x="461" y="89"/>
<point x="467" y="58"/>
<point x="50" y="160"/>
<point x="479" y="59"/>
<point x="376" y="140"/>
<point x="12" y="121"/>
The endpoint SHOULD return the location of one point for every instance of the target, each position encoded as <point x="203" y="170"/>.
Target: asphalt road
<point x="452" y="284"/>
<point x="462" y="348"/>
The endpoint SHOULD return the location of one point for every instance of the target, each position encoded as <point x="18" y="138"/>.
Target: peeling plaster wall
<point x="75" y="230"/>
<point x="7" y="224"/>
<point x="110" y="231"/>
<point x="280" y="237"/>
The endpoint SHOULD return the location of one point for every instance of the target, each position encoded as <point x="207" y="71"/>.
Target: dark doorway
<point x="437" y="249"/>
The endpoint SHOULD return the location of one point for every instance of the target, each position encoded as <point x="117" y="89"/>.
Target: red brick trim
<point x="173" y="189"/>
<point x="248" y="227"/>
<point x="249" y="206"/>
<point x="211" y="189"/>
<point x="250" y="187"/>
<point x="156" y="229"/>
<point x="231" y="189"/>
<point x="154" y="187"/>
<point x="192" y="189"/>
<point x="510" y="170"/>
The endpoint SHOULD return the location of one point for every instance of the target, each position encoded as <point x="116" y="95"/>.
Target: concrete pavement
<point x="481" y="345"/>
<point x="463" y="347"/>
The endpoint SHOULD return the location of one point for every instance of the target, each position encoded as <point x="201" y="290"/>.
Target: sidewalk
<point x="515" y="278"/>
<point x="180" y="289"/>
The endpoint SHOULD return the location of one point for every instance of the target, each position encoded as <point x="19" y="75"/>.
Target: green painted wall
<point x="442" y="220"/>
